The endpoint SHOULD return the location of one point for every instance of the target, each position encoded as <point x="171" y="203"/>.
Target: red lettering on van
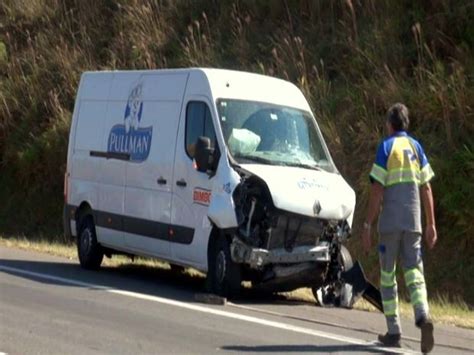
<point x="202" y="196"/>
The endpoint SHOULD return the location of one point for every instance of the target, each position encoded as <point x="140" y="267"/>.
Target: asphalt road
<point x="49" y="305"/>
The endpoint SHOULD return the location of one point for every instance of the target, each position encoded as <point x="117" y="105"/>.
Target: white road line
<point x="268" y="323"/>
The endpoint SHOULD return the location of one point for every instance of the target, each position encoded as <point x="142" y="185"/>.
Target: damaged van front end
<point x="290" y="230"/>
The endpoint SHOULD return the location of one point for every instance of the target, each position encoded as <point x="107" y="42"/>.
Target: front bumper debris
<point x="258" y="257"/>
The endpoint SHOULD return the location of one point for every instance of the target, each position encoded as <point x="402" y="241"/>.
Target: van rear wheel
<point x="90" y="252"/>
<point x="224" y="277"/>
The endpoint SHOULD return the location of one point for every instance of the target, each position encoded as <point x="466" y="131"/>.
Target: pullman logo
<point x="130" y="137"/>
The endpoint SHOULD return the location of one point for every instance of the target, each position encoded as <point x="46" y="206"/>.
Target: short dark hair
<point x="397" y="115"/>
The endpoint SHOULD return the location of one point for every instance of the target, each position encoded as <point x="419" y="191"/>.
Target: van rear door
<point x="86" y="137"/>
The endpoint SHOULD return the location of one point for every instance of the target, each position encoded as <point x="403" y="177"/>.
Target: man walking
<point x="400" y="175"/>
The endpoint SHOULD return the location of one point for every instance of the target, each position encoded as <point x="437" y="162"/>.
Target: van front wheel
<point x="90" y="252"/>
<point x="224" y="277"/>
<point x="336" y="292"/>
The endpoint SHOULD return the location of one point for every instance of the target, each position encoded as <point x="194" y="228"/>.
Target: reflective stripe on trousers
<point x="408" y="246"/>
<point x="415" y="281"/>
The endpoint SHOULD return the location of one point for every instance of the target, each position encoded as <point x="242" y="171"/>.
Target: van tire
<point x="89" y="251"/>
<point x="224" y="276"/>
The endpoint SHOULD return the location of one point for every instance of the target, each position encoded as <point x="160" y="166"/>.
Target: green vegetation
<point x="352" y="59"/>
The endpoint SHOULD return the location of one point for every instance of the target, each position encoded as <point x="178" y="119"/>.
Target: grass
<point x="69" y="251"/>
<point x="442" y="310"/>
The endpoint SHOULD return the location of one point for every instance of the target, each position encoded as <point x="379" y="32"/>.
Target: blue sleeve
<point x="421" y="155"/>
<point x="381" y="157"/>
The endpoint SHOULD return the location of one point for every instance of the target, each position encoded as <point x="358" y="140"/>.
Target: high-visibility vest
<point x="401" y="159"/>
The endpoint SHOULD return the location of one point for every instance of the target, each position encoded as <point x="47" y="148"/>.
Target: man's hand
<point x="375" y="199"/>
<point x="431" y="236"/>
<point x="366" y="240"/>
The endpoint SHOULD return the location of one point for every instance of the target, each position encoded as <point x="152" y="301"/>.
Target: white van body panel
<point x="222" y="209"/>
<point x="86" y="135"/>
<point x="189" y="209"/>
<point x="255" y="87"/>
<point x="113" y="172"/>
<point x="145" y="198"/>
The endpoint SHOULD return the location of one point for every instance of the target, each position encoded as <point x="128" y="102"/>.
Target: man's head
<point x="397" y="118"/>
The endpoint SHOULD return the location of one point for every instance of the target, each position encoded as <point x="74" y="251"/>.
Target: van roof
<point x="173" y="70"/>
<point x="231" y="84"/>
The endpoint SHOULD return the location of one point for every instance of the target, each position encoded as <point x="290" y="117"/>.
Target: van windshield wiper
<point x="305" y="166"/>
<point x="256" y="159"/>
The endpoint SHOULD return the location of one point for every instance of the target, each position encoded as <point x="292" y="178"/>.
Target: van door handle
<point x="161" y="181"/>
<point x="181" y="183"/>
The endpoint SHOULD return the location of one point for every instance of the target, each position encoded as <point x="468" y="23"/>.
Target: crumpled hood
<point x="297" y="190"/>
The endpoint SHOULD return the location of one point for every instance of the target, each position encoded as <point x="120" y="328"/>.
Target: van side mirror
<point x="203" y="154"/>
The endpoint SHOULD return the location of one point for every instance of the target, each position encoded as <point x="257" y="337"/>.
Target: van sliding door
<point x="149" y="173"/>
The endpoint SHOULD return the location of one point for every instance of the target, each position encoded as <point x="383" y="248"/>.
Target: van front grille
<point x="292" y="230"/>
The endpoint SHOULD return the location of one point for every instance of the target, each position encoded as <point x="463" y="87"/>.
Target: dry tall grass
<point x="352" y="59"/>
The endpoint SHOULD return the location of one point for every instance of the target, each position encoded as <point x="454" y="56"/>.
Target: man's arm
<point x="428" y="205"/>
<point x="375" y="199"/>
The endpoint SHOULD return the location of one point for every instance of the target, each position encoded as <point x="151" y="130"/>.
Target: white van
<point x="223" y="171"/>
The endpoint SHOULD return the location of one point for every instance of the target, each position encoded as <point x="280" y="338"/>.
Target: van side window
<point x="198" y="123"/>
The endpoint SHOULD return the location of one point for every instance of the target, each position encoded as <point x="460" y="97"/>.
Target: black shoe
<point x="427" y="338"/>
<point x="391" y="340"/>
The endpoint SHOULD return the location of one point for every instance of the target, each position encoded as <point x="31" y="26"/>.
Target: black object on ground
<point x="361" y="287"/>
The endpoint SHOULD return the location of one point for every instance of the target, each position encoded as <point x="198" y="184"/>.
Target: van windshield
<point x="263" y="133"/>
